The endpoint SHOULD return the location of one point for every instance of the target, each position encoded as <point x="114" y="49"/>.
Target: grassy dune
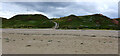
<point x="96" y="21"/>
<point x="28" y="21"/>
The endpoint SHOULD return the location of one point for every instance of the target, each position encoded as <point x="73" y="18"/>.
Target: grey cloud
<point x="59" y="9"/>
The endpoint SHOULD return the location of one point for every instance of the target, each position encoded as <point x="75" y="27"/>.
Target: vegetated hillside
<point x="27" y="21"/>
<point x="1" y="18"/>
<point x="115" y="21"/>
<point x="118" y="19"/>
<point x="1" y="21"/>
<point x="95" y="21"/>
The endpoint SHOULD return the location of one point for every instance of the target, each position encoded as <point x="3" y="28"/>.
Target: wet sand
<point x="49" y="41"/>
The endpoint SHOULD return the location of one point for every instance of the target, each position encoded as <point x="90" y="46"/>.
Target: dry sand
<point x="49" y="41"/>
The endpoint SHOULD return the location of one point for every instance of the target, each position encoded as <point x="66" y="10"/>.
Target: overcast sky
<point x="59" y="9"/>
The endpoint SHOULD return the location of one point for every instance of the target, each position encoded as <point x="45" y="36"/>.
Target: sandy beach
<point x="50" y="41"/>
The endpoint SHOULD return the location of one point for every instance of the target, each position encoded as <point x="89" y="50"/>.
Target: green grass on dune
<point x="27" y="21"/>
<point x="95" y="21"/>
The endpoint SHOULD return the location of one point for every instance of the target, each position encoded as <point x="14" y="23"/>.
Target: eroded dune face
<point x="48" y="41"/>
